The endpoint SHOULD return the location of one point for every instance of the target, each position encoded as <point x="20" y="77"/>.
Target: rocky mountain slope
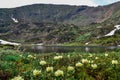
<point x="47" y="23"/>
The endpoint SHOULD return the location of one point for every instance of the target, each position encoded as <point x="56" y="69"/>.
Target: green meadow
<point x="16" y="65"/>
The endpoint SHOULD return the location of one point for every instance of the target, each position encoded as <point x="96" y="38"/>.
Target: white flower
<point x="68" y="56"/>
<point x="96" y="58"/>
<point x="84" y="61"/>
<point x="58" y="57"/>
<point x="78" y="64"/>
<point x="59" y="73"/>
<point x="114" y="62"/>
<point x="106" y="54"/>
<point x="70" y="68"/>
<point x="34" y="57"/>
<point x="30" y="56"/>
<point x="43" y="63"/>
<point x="90" y="61"/>
<point x="49" y="69"/>
<point x="36" y="72"/>
<point x="17" y="78"/>
<point x="94" y="66"/>
<point x="21" y="55"/>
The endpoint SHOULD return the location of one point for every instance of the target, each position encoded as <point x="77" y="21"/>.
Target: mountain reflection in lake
<point x="65" y="49"/>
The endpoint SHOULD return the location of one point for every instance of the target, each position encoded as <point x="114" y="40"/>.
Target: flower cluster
<point x="58" y="57"/>
<point x="114" y="62"/>
<point x="106" y="55"/>
<point x="94" y="66"/>
<point x="17" y="78"/>
<point x="90" y="61"/>
<point x="84" y="61"/>
<point x="70" y="68"/>
<point x="43" y="63"/>
<point x="31" y="56"/>
<point x="96" y="58"/>
<point x="78" y="64"/>
<point x="36" y="72"/>
<point x="59" y="73"/>
<point x="49" y="69"/>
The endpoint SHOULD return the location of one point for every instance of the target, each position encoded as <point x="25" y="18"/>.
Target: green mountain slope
<point x="50" y="24"/>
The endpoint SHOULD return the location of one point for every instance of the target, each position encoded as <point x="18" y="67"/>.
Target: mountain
<point x="48" y="23"/>
<point x="79" y="15"/>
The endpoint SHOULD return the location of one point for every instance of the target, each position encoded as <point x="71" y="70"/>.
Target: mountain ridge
<point x="40" y="10"/>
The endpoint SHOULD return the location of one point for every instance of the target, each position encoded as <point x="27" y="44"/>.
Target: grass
<point x="16" y="65"/>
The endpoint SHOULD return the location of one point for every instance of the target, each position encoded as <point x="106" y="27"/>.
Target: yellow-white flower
<point x="34" y="57"/>
<point x="78" y="64"/>
<point x="84" y="61"/>
<point x="106" y="54"/>
<point x="58" y="57"/>
<point x="96" y="58"/>
<point x="21" y="55"/>
<point x="59" y="73"/>
<point x="43" y="63"/>
<point x="90" y="61"/>
<point x="94" y="66"/>
<point x="36" y="72"/>
<point x="68" y="56"/>
<point x="114" y="62"/>
<point x="30" y="56"/>
<point x="70" y="68"/>
<point x="49" y="69"/>
<point x="17" y="78"/>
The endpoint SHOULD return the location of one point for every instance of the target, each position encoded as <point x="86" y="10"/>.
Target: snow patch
<point x="111" y="33"/>
<point x="40" y="44"/>
<point x="9" y="43"/>
<point x="87" y="43"/>
<point x="118" y="45"/>
<point x="15" y="20"/>
<point x="117" y="27"/>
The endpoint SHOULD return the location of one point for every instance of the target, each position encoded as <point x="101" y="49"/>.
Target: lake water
<point x="65" y="49"/>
